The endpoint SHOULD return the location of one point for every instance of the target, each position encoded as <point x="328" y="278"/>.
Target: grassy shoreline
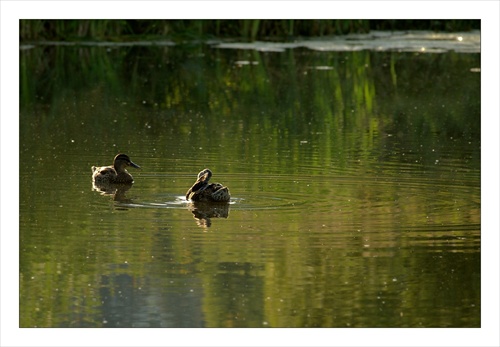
<point x="77" y="30"/>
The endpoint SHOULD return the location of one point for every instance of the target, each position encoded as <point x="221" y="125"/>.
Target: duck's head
<point x="121" y="161"/>
<point x="204" y="175"/>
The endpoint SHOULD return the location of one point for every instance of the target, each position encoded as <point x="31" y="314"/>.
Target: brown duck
<point x="115" y="173"/>
<point x="204" y="191"/>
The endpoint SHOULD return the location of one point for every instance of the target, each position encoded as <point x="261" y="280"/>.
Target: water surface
<point x="354" y="175"/>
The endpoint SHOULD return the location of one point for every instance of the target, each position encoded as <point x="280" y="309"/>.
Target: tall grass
<point x="33" y="30"/>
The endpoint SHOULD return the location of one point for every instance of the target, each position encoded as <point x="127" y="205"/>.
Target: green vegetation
<point x="357" y="81"/>
<point x="70" y="30"/>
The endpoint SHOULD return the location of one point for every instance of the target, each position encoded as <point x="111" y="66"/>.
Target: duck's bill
<point x="135" y="165"/>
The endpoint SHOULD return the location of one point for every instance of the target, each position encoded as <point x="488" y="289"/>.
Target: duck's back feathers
<point x="214" y="192"/>
<point x="107" y="174"/>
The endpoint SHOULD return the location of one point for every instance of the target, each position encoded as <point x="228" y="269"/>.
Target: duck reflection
<point x="116" y="190"/>
<point x="203" y="212"/>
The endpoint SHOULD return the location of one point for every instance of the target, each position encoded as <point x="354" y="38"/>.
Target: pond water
<point x="354" y="176"/>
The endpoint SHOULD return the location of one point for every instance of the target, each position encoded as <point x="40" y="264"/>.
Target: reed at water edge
<point x="256" y="29"/>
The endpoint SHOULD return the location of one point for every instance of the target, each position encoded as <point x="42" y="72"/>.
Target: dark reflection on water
<point x="355" y="189"/>
<point x="204" y="212"/>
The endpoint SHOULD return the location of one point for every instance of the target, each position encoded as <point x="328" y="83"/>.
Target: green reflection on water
<point x="355" y="179"/>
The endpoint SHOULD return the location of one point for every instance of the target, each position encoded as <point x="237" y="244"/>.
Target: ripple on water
<point x="243" y="202"/>
<point x="327" y="192"/>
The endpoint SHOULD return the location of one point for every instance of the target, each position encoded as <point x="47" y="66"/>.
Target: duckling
<point x="116" y="173"/>
<point x="204" y="191"/>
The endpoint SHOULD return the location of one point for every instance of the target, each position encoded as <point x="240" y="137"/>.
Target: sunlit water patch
<point x="400" y="41"/>
<point x="418" y="41"/>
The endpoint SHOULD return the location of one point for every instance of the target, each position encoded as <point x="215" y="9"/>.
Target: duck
<point x="207" y="192"/>
<point x="116" y="173"/>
